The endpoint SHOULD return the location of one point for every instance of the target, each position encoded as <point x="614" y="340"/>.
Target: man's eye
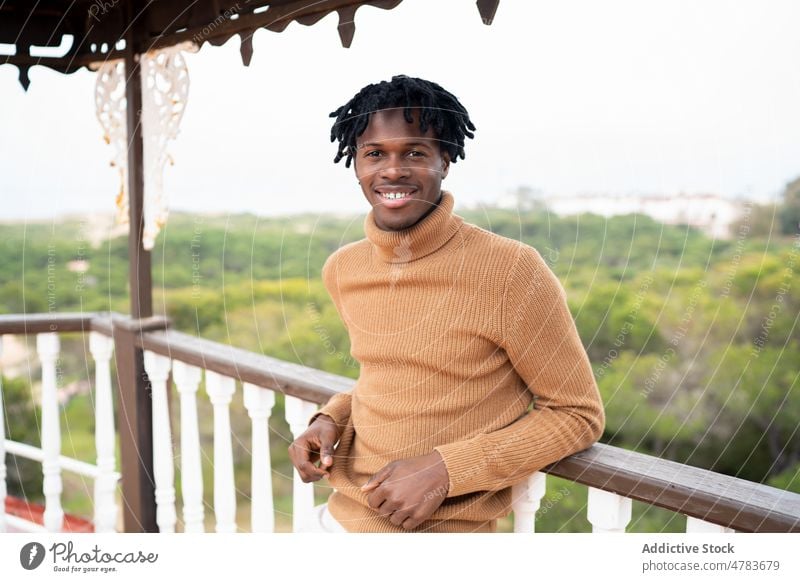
<point x="368" y="154"/>
<point x="418" y="153"/>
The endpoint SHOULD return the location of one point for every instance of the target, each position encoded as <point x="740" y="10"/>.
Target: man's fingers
<point x="304" y="445"/>
<point x="376" y="498"/>
<point x="377" y="479"/>
<point x="326" y="454"/>
<point x="387" y="509"/>
<point x="399" y="516"/>
<point x="309" y="472"/>
<point x="299" y="452"/>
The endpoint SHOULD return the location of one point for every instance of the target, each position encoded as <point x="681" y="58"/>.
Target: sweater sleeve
<point x="338" y="406"/>
<point x="539" y="335"/>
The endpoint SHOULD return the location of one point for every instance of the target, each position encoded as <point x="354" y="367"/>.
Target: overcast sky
<point x="568" y="97"/>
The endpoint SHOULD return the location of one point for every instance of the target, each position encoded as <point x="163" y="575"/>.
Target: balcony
<point x="125" y="495"/>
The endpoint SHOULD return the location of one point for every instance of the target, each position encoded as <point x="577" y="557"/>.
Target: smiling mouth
<point x="394" y="191"/>
<point x="398" y="195"/>
<point x="395" y="198"/>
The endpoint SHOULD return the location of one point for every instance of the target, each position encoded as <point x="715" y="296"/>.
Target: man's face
<point x="394" y="156"/>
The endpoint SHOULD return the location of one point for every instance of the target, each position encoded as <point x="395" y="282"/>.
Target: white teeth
<point x="395" y="195"/>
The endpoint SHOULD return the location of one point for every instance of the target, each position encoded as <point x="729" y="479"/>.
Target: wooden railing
<point x="614" y="476"/>
<point x="103" y="473"/>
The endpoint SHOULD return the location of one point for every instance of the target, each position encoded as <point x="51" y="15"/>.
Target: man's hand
<point x="410" y="490"/>
<point x="317" y="441"/>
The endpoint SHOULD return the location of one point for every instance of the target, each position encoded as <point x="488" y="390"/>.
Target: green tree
<point x="751" y="409"/>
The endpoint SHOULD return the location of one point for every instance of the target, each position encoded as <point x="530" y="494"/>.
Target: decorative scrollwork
<point x="165" y="92"/>
<point x="109" y="97"/>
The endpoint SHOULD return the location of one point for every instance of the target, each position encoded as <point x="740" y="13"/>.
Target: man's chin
<point x="393" y="223"/>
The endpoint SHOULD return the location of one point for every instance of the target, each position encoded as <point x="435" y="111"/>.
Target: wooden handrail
<point x="303" y="382"/>
<point x="24" y="324"/>
<point x="729" y="501"/>
<point x="309" y="384"/>
<point x="721" y="499"/>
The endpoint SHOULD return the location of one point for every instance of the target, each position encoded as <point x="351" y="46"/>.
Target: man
<point x="472" y="373"/>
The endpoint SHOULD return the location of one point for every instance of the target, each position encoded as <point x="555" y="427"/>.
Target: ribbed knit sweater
<point x="466" y="346"/>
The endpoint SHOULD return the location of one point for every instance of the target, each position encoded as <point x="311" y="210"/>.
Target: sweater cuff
<point x="338" y="408"/>
<point x="467" y="466"/>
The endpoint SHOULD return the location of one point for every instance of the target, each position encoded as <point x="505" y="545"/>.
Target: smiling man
<point x="472" y="373"/>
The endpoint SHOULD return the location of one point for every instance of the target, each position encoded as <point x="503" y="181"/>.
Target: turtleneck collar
<point x="421" y="239"/>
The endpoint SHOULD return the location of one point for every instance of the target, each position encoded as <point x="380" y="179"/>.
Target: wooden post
<point x="134" y="419"/>
<point x="138" y="258"/>
<point x="135" y="414"/>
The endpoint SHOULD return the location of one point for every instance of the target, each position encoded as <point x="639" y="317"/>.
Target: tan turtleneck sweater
<point x="466" y="346"/>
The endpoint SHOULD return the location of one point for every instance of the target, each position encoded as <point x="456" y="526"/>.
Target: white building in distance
<point x="711" y="213"/>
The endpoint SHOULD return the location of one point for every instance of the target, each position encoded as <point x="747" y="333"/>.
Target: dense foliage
<point x="694" y="341"/>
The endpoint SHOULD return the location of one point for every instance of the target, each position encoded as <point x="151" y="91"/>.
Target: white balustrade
<point x="298" y="412"/>
<point x="157" y="368"/>
<point x="3" y="472"/>
<point x="220" y="390"/>
<point x="259" y="403"/>
<point x="608" y="512"/>
<point x="187" y="378"/>
<point x="526" y="497"/>
<point x="105" y="485"/>
<point x="695" y="525"/>
<point x="48" y="347"/>
<point x="26" y="451"/>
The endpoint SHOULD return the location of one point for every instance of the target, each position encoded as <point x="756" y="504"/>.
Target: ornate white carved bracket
<point x="165" y="92"/>
<point x="109" y="98"/>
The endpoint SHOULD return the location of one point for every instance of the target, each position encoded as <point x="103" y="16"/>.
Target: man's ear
<point x="445" y="164"/>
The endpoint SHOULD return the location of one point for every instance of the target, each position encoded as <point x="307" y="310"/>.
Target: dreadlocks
<point x="438" y="109"/>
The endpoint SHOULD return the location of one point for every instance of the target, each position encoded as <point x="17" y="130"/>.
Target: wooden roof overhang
<point x="100" y="30"/>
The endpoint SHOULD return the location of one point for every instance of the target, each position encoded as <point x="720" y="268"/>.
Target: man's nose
<point x="394" y="168"/>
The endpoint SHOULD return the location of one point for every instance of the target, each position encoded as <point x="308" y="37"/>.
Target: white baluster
<point x="525" y="500"/>
<point x="157" y="368"/>
<point x="187" y="379"/>
<point x="3" y="473"/>
<point x="105" y="485"/>
<point x="695" y="525"/>
<point x="220" y="390"/>
<point x="297" y="414"/>
<point x="608" y="512"/>
<point x="259" y="403"/>
<point x="48" y="347"/>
